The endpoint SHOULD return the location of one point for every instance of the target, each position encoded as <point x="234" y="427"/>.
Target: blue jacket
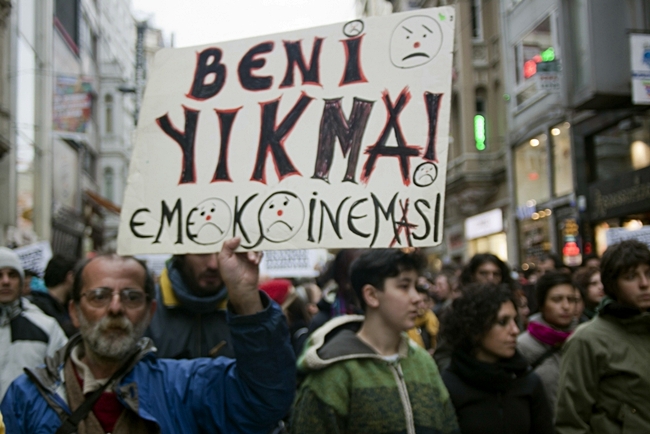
<point x="182" y="396"/>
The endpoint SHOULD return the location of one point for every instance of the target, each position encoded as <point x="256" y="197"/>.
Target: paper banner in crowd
<point x="616" y="235"/>
<point x="293" y="263"/>
<point x="35" y="257"/>
<point x="328" y="137"/>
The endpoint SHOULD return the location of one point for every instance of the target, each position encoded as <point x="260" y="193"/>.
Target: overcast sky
<point x="196" y="22"/>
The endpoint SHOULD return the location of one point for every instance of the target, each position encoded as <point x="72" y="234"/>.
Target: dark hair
<point x="338" y="269"/>
<point x="297" y="312"/>
<point x="557" y="261"/>
<point x="149" y="286"/>
<point x="30" y="273"/>
<point x="57" y="270"/>
<point x="467" y="275"/>
<point x="618" y="259"/>
<point x="548" y="281"/>
<point x="374" y="266"/>
<point x="472" y="315"/>
<point x="581" y="279"/>
<point x="588" y="257"/>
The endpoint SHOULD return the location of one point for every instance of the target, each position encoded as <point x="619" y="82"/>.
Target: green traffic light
<point x="548" y="55"/>
<point x="479" y="132"/>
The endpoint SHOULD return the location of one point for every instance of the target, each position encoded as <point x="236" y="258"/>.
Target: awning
<point x="102" y="201"/>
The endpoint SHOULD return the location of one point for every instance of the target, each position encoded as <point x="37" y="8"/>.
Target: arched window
<point x="109" y="184"/>
<point x="108" y="103"/>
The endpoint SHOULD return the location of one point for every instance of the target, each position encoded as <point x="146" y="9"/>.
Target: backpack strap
<point x="69" y="423"/>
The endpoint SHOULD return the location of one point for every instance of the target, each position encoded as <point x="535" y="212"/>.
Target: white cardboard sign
<point x="328" y="137"/>
<point x="35" y="257"/>
<point x="293" y="263"/>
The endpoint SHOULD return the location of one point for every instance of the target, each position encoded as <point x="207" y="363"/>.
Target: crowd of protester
<point x="378" y="343"/>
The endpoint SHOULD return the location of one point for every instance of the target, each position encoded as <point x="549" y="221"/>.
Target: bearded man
<point x="113" y="301"/>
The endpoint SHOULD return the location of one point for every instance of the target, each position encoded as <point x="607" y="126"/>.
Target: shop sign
<point x="484" y="224"/>
<point x="620" y="196"/>
<point x="328" y="137"/>
<point x="571" y="253"/>
<point x="640" y="59"/>
<point x="616" y="235"/>
<point x="72" y="108"/>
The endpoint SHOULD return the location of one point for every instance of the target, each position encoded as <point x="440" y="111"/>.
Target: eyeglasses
<point x="102" y="297"/>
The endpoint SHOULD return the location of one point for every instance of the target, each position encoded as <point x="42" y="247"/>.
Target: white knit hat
<point x="9" y="259"/>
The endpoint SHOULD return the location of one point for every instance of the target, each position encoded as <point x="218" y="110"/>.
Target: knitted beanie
<point x="9" y="259"/>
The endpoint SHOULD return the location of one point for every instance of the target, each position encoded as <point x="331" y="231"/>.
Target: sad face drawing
<point x="281" y="216"/>
<point x="425" y="174"/>
<point x="415" y="42"/>
<point x="209" y="221"/>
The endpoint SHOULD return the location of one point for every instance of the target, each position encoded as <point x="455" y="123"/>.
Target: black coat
<point x="501" y="398"/>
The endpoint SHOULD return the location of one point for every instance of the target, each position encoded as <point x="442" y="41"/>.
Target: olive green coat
<point x="605" y="375"/>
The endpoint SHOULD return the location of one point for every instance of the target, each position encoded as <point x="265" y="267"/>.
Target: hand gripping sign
<point x="329" y="137"/>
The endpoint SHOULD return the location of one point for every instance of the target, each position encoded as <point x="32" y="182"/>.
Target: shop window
<point x="496" y="244"/>
<point x="535" y="52"/>
<point x="109" y="184"/>
<point x="563" y="173"/>
<point x="534" y="239"/>
<point x="622" y="148"/>
<point x="108" y="105"/>
<point x="67" y="21"/>
<point x="477" y="20"/>
<point x="531" y="171"/>
<point x="640" y="153"/>
<point x="89" y="163"/>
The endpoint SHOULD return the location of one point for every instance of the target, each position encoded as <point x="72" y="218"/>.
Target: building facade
<point x="577" y="144"/>
<point x="71" y="125"/>
<point x="7" y="113"/>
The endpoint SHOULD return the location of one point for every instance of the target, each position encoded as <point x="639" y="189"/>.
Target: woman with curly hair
<point x="491" y="385"/>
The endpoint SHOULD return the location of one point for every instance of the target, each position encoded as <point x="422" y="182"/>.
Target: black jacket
<point x="52" y="307"/>
<point x="501" y="398"/>
<point x="185" y="325"/>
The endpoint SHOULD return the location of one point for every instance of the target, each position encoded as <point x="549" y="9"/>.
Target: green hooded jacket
<point x="350" y="388"/>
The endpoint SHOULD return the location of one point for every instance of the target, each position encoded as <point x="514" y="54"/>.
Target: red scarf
<point x="546" y="334"/>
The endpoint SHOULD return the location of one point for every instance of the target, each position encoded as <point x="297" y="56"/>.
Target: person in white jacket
<point x="27" y="335"/>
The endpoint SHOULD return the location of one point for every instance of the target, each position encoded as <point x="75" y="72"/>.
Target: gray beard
<point x="107" y="344"/>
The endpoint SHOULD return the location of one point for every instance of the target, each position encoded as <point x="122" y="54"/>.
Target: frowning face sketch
<point x="425" y="174"/>
<point x="209" y="221"/>
<point x="415" y="41"/>
<point x="281" y="216"/>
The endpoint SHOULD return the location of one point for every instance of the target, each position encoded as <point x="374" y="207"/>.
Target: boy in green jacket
<point x="364" y="375"/>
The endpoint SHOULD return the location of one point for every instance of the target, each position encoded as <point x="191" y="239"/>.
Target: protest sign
<point x="293" y="263"/>
<point x="616" y="235"/>
<point x="328" y="137"/>
<point x="35" y="256"/>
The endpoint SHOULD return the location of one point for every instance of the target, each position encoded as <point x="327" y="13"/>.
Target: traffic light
<point x="479" y="132"/>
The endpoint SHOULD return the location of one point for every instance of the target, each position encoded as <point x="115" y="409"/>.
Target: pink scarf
<point x="546" y="334"/>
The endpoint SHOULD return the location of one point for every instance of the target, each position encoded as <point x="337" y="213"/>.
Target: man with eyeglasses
<point x="27" y="335"/>
<point x="113" y="303"/>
